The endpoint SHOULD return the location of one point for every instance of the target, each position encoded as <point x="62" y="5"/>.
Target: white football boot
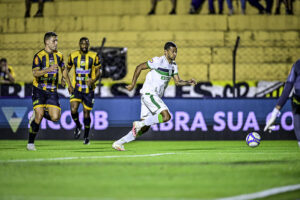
<point x="118" y="147"/>
<point x="31" y="147"/>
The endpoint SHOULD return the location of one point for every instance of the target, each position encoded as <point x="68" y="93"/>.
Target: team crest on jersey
<point x="82" y="63"/>
<point x="51" y="62"/>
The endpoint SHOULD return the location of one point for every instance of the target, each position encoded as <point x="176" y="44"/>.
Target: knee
<point x="55" y="117"/>
<point x="166" y="116"/>
<point x="38" y="118"/>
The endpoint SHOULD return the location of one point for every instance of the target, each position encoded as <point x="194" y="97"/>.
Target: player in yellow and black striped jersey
<point x="45" y="69"/>
<point x="86" y="73"/>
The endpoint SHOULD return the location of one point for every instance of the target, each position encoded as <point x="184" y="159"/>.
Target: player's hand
<point x="269" y="127"/>
<point x="192" y="82"/>
<point x="63" y="82"/>
<point x="129" y="87"/>
<point x="71" y="90"/>
<point x="89" y="82"/>
<point x="52" y="68"/>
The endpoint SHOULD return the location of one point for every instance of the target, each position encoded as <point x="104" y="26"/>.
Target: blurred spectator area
<point x="268" y="47"/>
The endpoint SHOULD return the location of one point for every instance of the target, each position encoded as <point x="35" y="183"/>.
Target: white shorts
<point x="151" y="104"/>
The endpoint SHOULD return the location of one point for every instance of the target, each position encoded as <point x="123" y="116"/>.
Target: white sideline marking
<point x="83" y="157"/>
<point x="264" y="193"/>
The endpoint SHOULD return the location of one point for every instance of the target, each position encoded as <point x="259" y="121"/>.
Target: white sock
<point x="299" y="143"/>
<point x="127" y="138"/>
<point x="151" y="120"/>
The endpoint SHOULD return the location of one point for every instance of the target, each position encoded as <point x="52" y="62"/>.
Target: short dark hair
<point x="49" y="35"/>
<point x="84" y="38"/>
<point x="3" y="60"/>
<point x="169" y="44"/>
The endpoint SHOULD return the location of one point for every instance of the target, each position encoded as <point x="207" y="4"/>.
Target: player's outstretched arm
<point x="180" y="82"/>
<point x="136" y="75"/>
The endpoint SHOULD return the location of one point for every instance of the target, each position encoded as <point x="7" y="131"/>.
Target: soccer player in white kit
<point x="153" y="109"/>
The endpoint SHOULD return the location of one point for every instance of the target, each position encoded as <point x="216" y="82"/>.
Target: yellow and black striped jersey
<point x="43" y="60"/>
<point x="85" y="68"/>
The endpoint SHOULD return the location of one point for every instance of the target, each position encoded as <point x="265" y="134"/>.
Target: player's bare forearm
<point x="137" y="72"/>
<point x="97" y="76"/>
<point x="39" y="73"/>
<point x="180" y="82"/>
<point x="65" y="73"/>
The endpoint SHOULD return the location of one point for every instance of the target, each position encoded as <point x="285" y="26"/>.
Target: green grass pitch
<point x="146" y="170"/>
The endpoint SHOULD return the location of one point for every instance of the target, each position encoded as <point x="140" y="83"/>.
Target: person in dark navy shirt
<point x="293" y="81"/>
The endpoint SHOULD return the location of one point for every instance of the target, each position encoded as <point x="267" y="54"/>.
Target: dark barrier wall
<point x="192" y="119"/>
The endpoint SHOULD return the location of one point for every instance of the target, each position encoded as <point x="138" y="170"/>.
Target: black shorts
<point x="87" y="99"/>
<point x="41" y="98"/>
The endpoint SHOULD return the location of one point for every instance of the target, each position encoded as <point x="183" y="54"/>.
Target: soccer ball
<point x="253" y="139"/>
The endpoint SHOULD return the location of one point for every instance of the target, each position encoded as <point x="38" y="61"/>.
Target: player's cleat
<point x="32" y="117"/>
<point x="118" y="147"/>
<point x="86" y="141"/>
<point x="137" y="126"/>
<point x="77" y="132"/>
<point x="31" y="147"/>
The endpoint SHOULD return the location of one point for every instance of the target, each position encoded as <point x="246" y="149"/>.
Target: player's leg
<point x="129" y="137"/>
<point x="54" y="113"/>
<point x="174" y="5"/>
<point x="75" y="100"/>
<point x="87" y="124"/>
<point x="40" y="11"/>
<point x="53" y="106"/>
<point x="35" y="122"/>
<point x="158" y="108"/>
<point x="88" y="104"/>
<point x="28" y="7"/>
<point x="38" y="102"/>
<point x="75" y="117"/>
<point x="296" y="115"/>
<point x="153" y="7"/>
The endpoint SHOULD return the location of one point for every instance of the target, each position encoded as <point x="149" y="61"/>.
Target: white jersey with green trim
<point x="158" y="77"/>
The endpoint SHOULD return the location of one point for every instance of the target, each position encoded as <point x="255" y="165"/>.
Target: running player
<point x="44" y="91"/>
<point x="87" y="72"/>
<point x="293" y="80"/>
<point x="153" y="109"/>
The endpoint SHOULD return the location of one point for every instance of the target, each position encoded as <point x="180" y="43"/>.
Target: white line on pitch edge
<point x="264" y="193"/>
<point x="83" y="157"/>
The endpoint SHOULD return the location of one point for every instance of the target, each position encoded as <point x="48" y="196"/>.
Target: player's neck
<point x="83" y="52"/>
<point x="169" y="60"/>
<point x="48" y="50"/>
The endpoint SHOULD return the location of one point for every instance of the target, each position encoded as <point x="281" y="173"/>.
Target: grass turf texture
<point x="197" y="169"/>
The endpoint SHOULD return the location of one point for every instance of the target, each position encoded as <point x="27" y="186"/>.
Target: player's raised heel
<point x="77" y="132"/>
<point x="31" y="147"/>
<point x="118" y="147"/>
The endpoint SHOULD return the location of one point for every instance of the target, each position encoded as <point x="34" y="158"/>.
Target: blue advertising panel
<point x="191" y="119"/>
